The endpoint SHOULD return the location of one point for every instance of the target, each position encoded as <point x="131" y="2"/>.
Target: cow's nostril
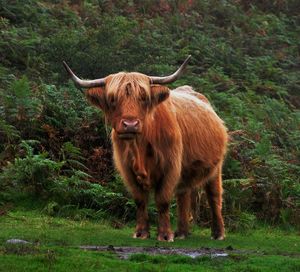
<point x="130" y="123"/>
<point x="130" y="126"/>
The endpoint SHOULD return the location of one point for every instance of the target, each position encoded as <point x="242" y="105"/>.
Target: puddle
<point x="126" y="252"/>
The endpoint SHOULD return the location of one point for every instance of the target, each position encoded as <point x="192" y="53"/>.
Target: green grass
<point x="56" y="240"/>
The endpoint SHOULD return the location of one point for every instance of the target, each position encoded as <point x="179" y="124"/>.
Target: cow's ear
<point x="159" y="93"/>
<point x="96" y="96"/>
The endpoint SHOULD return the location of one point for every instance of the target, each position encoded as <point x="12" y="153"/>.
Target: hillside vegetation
<point x="54" y="147"/>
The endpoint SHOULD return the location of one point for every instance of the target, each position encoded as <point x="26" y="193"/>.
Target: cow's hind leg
<point x="183" y="213"/>
<point x="214" y="191"/>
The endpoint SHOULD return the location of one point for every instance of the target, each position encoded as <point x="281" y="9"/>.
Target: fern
<point x="8" y="132"/>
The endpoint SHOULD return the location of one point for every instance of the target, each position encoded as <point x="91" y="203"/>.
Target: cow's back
<point x="204" y="135"/>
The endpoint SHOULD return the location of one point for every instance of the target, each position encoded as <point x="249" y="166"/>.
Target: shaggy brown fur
<point x="180" y="145"/>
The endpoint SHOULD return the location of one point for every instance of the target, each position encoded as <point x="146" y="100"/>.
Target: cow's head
<point x="127" y="98"/>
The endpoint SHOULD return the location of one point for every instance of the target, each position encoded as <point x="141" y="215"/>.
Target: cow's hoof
<point x="181" y="235"/>
<point x="219" y="237"/>
<point x="166" y="236"/>
<point x="141" y="234"/>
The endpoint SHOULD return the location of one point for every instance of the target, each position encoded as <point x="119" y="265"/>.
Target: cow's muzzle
<point x="129" y="129"/>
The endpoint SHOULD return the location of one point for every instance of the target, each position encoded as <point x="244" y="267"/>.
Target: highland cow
<point x="166" y="141"/>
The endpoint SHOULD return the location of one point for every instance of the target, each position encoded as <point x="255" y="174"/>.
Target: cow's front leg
<point x="142" y="229"/>
<point x="183" y="212"/>
<point x="165" y="232"/>
<point x="163" y="196"/>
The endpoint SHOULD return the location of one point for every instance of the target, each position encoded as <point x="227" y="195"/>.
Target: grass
<point x="55" y="244"/>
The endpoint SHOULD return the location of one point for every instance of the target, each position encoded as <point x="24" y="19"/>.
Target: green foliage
<point x="9" y="132"/>
<point x="81" y="199"/>
<point x="245" y="60"/>
<point x="65" y="193"/>
<point x="32" y="172"/>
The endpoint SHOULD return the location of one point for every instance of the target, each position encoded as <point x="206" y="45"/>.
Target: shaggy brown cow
<point x="166" y="141"/>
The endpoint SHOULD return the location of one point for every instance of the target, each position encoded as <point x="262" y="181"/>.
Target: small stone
<point x="229" y="248"/>
<point x="17" y="241"/>
<point x="110" y="248"/>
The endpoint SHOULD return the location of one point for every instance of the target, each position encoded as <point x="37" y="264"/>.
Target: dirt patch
<point x="126" y="252"/>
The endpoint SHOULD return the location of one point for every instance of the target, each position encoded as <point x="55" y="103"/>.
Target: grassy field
<point x="56" y="241"/>
<point x="55" y="153"/>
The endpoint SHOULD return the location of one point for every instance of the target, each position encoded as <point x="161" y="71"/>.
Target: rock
<point x="110" y="248"/>
<point x="229" y="248"/>
<point x="17" y="241"/>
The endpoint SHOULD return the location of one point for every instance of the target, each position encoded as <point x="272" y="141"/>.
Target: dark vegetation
<point x="55" y="148"/>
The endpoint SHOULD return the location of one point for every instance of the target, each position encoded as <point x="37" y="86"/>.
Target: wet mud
<point x="126" y="252"/>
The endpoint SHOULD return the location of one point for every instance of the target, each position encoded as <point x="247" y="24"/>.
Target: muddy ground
<point x="126" y="252"/>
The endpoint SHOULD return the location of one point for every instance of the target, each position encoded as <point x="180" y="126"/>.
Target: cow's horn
<point x="170" y="78"/>
<point x="84" y="83"/>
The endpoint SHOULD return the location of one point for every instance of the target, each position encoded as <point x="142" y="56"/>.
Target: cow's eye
<point x="143" y="99"/>
<point x="111" y="101"/>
